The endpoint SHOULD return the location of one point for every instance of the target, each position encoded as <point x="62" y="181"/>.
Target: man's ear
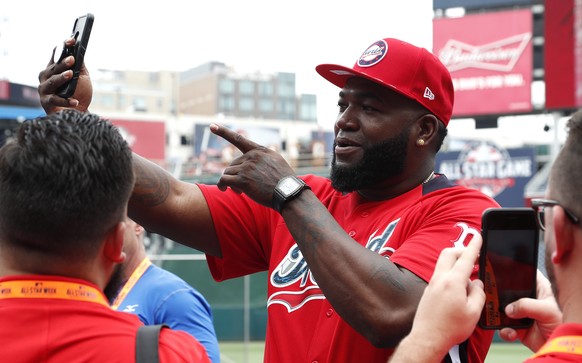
<point x="113" y="248"/>
<point x="428" y="127"/>
<point x="564" y="231"/>
<point x="139" y="230"/>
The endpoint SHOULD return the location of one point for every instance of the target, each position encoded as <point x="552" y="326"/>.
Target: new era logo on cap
<point x="407" y="69"/>
<point x="428" y="94"/>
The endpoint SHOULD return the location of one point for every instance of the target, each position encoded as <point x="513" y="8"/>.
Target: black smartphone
<point x="81" y="32"/>
<point x="507" y="263"/>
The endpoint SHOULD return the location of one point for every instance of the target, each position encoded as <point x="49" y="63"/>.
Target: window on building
<point x="286" y="84"/>
<point x="245" y="104"/>
<point x="286" y="109"/>
<point x="285" y="90"/>
<point x="139" y="104"/>
<point x="307" y="108"/>
<point x="286" y="77"/>
<point x="265" y="88"/>
<point x="226" y="85"/>
<point x="225" y="103"/>
<point x="246" y="87"/>
<point x="308" y="113"/>
<point x="266" y="105"/>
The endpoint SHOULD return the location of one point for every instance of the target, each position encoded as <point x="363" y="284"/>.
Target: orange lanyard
<point x="130" y="283"/>
<point x="571" y="344"/>
<point x="39" y="289"/>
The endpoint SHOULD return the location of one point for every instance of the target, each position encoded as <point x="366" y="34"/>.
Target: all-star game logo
<point x="487" y="167"/>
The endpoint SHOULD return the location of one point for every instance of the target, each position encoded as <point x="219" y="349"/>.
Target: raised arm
<point x="160" y="202"/>
<point x="172" y="208"/>
<point x="375" y="296"/>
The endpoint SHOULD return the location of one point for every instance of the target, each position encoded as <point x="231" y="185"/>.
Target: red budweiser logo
<point x="501" y="55"/>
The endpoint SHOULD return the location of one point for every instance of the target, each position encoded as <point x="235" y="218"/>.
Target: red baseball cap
<point x="407" y="69"/>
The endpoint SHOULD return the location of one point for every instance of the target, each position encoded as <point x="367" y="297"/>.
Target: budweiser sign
<point x="492" y="69"/>
<point x="500" y="55"/>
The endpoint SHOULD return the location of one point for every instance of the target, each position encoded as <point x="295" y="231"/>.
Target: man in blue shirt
<point x="158" y="296"/>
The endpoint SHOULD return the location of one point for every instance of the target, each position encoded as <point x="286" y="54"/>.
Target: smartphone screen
<point x="507" y="263"/>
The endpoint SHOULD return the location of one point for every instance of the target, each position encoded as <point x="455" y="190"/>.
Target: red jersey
<point x="564" y="345"/>
<point x="53" y="319"/>
<point x="410" y="230"/>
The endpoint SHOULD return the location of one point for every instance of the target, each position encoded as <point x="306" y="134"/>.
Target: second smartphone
<point x="507" y="263"/>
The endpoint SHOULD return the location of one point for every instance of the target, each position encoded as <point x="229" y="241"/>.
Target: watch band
<point x="281" y="197"/>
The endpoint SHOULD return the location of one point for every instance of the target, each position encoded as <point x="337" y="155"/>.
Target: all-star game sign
<point x="498" y="172"/>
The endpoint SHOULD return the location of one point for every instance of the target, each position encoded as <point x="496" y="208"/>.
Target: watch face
<point x="289" y="185"/>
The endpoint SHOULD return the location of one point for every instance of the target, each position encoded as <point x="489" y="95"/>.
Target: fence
<point x="238" y="305"/>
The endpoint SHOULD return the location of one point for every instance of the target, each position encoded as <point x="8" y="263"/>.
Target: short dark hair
<point x="442" y="133"/>
<point x="567" y="169"/>
<point x="65" y="181"/>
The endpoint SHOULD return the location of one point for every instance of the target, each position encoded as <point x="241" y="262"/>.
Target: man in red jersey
<point x="348" y="256"/>
<point x="64" y="185"/>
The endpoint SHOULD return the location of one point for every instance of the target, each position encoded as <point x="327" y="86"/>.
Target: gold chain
<point x="429" y="178"/>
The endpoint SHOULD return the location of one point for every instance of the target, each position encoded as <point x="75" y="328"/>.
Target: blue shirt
<point x="161" y="297"/>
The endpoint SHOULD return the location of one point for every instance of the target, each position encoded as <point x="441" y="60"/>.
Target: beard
<point x="115" y="283"/>
<point x="379" y="162"/>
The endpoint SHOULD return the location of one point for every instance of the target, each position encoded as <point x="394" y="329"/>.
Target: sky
<point x="249" y="35"/>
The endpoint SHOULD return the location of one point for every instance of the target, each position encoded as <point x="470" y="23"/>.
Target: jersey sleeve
<point x="187" y="310"/>
<point x="178" y="346"/>
<point x="243" y="228"/>
<point x="448" y="219"/>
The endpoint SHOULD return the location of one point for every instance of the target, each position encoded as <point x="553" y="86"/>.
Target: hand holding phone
<point x="81" y="33"/>
<point x="507" y="263"/>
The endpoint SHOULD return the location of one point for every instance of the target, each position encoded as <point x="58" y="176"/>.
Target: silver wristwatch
<point x="287" y="188"/>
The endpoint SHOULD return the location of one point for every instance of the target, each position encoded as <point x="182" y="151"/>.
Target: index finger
<point x="69" y="42"/>
<point x="460" y="259"/>
<point x="242" y="143"/>
<point x="469" y="257"/>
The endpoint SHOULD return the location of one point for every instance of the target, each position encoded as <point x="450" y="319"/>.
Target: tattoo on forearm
<point x="151" y="189"/>
<point x="390" y="278"/>
<point x="309" y="235"/>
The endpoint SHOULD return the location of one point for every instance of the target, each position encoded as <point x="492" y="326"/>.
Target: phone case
<point x="81" y="32"/>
